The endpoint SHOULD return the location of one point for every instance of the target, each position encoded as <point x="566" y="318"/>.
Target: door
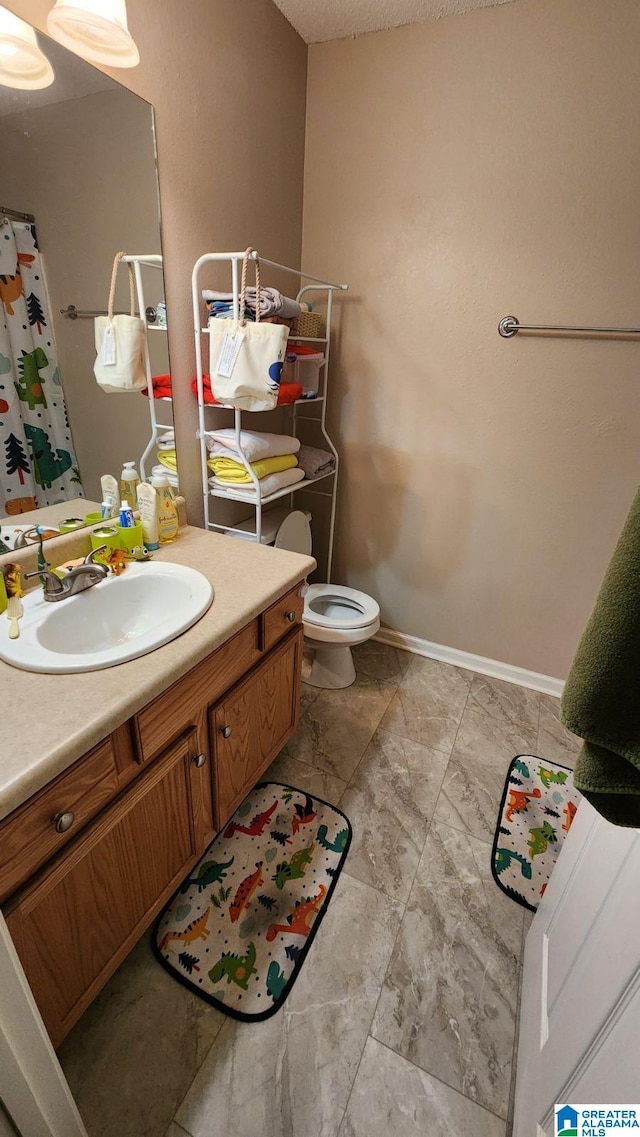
<point x="579" y="1038"/>
<point x="253" y="722"/>
<point x="75" y="923"/>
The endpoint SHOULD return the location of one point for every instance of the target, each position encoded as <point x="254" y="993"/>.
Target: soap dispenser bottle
<point x="167" y="509"/>
<point x="129" y="482"/>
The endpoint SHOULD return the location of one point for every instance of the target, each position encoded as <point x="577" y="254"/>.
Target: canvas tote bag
<point x="120" y="342"/>
<point x="245" y="359"/>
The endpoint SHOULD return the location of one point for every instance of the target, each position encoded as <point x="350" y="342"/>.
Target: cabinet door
<point x="253" y="722"/>
<point x="75" y="924"/>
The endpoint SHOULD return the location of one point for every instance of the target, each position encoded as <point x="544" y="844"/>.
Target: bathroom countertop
<point x="49" y="721"/>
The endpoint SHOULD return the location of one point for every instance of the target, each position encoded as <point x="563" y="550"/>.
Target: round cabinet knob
<point x="290" y="616"/>
<point x="225" y="731"/>
<point x="63" y="821"/>
<point x="199" y="760"/>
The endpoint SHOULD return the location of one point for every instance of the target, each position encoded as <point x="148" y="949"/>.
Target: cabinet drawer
<point x="29" y="837"/>
<point x="75" y="923"/>
<point x="183" y="705"/>
<point x="281" y="617"/>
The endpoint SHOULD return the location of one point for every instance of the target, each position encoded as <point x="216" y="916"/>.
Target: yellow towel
<point x="168" y="459"/>
<point x="228" y="470"/>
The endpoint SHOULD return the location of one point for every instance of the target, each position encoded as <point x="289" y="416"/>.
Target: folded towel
<point x="228" y="470"/>
<point x="222" y="443"/>
<point x="268" y="485"/>
<point x="168" y="459"/>
<point x="315" y="463"/>
<point x="601" y="702"/>
<point x="272" y="302"/>
<point x="161" y="387"/>
<point x="287" y="392"/>
<point x="165" y="473"/>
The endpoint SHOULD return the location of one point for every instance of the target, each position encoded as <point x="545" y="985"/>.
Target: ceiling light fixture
<point x="95" y="29"/>
<point x="22" y="64"/>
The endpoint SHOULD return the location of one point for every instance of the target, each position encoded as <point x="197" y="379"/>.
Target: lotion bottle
<point x="110" y="496"/>
<point x="167" y="509"/>
<point x="129" y="482"/>
<point x="148" y="507"/>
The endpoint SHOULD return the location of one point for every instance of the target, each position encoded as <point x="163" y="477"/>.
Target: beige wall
<point x="64" y="163"/>
<point x="227" y="81"/>
<point x="457" y="172"/>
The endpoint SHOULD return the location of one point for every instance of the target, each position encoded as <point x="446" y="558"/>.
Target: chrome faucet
<point x="76" y="580"/>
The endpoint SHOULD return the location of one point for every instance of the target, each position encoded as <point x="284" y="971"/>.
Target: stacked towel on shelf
<point x="272" y="303"/>
<point x="287" y="392"/>
<point x="268" y="485"/>
<point x="255" y="446"/>
<point x="228" y="470"/>
<point x="164" y="471"/>
<point x="161" y="387"/>
<point x="316" y="463"/>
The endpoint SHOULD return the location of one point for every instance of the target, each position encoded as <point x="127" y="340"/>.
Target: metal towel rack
<point x="16" y="215"/>
<point x="510" y="326"/>
<point x="73" y="313"/>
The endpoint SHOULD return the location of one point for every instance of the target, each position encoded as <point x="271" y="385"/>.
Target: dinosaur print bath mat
<point x="239" y="928"/>
<point x="538" y="805"/>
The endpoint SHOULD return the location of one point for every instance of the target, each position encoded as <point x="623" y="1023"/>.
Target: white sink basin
<point x="119" y="619"/>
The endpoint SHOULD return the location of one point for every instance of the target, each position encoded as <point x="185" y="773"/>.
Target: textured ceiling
<point x="317" y="20"/>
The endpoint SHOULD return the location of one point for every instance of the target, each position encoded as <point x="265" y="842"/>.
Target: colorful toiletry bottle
<point x="167" y="509"/>
<point x="110" y="496"/>
<point x="148" y="508"/>
<point x="129" y="482"/>
<point x="127" y="520"/>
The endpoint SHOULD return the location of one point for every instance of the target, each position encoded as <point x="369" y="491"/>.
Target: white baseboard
<point x="479" y="663"/>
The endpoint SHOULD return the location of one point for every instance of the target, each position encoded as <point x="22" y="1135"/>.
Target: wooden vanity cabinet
<point x="144" y="805"/>
<point x="75" y="924"/>
<point x="253" y="722"/>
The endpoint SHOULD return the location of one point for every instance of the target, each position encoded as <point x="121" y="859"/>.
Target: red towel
<point x="161" y="387"/>
<point x="287" y="393"/>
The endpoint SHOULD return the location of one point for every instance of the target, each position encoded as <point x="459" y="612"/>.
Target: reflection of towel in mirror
<point x="222" y="443"/>
<point x="168" y="459"/>
<point x="272" y="302"/>
<point x="315" y="463"/>
<point x="163" y="471"/>
<point x="268" y="485"/>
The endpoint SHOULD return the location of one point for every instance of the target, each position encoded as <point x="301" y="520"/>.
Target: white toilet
<point x="335" y="618"/>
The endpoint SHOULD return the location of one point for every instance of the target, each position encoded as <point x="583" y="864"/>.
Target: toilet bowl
<point x="335" y="619"/>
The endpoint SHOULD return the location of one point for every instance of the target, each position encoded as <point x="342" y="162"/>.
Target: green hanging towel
<point x="601" y="700"/>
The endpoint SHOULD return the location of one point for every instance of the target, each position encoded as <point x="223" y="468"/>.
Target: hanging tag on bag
<point x="109" y="348"/>
<point x="231" y="346"/>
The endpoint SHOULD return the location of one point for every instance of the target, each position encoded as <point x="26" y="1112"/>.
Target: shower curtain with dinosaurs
<point x="37" y="460"/>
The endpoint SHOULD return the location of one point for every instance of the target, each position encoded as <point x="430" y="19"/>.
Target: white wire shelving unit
<point x="318" y="288"/>
<point x="149" y="260"/>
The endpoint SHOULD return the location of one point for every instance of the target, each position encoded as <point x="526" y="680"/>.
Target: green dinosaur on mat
<point x="29" y="384"/>
<point x="237" y="968"/>
<point x="548" y="776"/>
<point x="338" y="845"/>
<point x="541" y="837"/>
<point x="209" y="873"/>
<point x="276" y="981"/>
<point x="295" y="868"/>
<point x="504" y="857"/>
<point x="47" y="465"/>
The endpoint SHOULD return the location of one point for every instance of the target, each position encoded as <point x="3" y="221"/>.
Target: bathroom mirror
<point x="78" y="184"/>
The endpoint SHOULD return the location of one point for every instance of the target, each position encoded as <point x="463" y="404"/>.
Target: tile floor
<point x="403" y="1019"/>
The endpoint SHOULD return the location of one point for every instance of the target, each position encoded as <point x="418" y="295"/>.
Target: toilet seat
<point x="336" y="606"/>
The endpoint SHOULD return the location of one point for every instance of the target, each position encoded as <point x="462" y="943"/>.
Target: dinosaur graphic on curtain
<point x="37" y="459"/>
